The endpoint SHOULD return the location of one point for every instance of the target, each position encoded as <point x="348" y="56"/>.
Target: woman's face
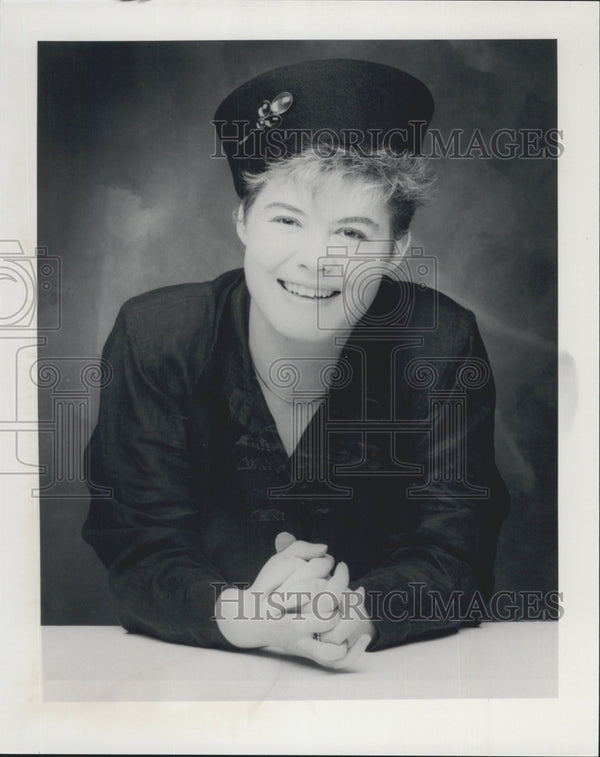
<point x="314" y="258"/>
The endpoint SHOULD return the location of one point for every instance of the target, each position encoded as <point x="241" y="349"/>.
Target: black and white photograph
<point x="290" y="365"/>
<point x="301" y="410"/>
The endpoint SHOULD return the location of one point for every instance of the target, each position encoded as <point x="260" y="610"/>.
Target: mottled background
<point x="129" y="200"/>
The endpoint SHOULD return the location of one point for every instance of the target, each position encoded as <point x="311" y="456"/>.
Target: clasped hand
<point x="297" y="605"/>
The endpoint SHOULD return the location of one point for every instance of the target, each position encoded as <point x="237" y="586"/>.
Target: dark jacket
<point x="401" y="482"/>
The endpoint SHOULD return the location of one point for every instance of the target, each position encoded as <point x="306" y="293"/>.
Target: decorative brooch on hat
<point x="270" y="112"/>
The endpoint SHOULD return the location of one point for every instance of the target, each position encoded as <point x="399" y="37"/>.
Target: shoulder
<point x="442" y="313"/>
<point x="449" y="328"/>
<point x="421" y="308"/>
<point x="174" y="303"/>
<point x="174" y="328"/>
<point x="427" y="322"/>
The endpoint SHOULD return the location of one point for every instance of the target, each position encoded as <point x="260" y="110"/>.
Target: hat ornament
<point x="270" y="112"/>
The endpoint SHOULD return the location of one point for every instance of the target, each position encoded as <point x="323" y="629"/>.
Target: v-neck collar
<point x="246" y="401"/>
<point x="241" y="388"/>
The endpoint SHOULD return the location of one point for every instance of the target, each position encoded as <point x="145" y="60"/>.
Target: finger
<point x="338" y="583"/>
<point x="347" y="625"/>
<point x="275" y="572"/>
<point x="335" y="656"/>
<point x="282" y="568"/>
<point x="352" y="603"/>
<point x="298" y="594"/>
<point x="305" y="624"/>
<point x="329" y="600"/>
<point x="304" y="549"/>
<point x="354" y="652"/>
<point x="318" y="567"/>
<point x="339" y="634"/>
<point x="283" y="541"/>
<point x="322" y="653"/>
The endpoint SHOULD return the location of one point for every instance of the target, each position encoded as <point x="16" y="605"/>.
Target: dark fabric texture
<point x="358" y="104"/>
<point x="201" y="482"/>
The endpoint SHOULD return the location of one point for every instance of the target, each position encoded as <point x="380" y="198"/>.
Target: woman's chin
<point x="294" y="332"/>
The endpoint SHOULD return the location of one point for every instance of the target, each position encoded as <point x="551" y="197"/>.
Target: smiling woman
<point x="296" y="219"/>
<point x="320" y="402"/>
<point x="288" y="233"/>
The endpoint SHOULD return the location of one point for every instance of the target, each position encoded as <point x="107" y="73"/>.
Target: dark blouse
<point x="395" y="472"/>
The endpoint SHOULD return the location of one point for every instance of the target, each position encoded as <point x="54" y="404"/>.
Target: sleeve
<point x="146" y="532"/>
<point x="437" y="561"/>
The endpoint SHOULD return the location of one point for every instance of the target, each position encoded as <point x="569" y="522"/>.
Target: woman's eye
<point x="352" y="233"/>
<point x="286" y="221"/>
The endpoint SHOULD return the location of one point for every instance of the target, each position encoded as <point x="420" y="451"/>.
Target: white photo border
<point x="565" y="725"/>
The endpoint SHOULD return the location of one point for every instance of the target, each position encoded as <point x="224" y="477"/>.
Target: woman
<point x="318" y="403"/>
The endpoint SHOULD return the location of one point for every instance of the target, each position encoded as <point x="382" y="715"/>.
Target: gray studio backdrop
<point x="129" y="200"/>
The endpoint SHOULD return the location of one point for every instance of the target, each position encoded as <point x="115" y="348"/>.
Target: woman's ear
<point x="240" y="223"/>
<point x="401" y="246"/>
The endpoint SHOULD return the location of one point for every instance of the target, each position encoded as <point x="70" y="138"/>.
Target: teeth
<point x="304" y="291"/>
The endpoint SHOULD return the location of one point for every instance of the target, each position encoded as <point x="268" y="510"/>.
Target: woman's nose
<point x="312" y="253"/>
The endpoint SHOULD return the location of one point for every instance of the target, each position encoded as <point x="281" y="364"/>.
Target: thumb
<point x="283" y="541"/>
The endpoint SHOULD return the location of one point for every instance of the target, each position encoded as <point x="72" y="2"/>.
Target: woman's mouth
<point x="309" y="293"/>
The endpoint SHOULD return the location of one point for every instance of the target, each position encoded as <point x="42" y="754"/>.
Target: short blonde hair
<point x="404" y="181"/>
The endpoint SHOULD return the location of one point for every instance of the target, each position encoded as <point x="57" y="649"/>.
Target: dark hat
<point x="354" y="104"/>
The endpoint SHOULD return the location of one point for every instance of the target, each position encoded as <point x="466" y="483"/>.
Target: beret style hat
<point x="353" y="104"/>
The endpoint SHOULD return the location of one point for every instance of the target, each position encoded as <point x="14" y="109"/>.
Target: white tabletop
<point x="105" y="663"/>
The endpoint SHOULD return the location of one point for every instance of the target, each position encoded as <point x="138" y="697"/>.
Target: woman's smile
<point x="307" y="292"/>
<point x="302" y="244"/>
